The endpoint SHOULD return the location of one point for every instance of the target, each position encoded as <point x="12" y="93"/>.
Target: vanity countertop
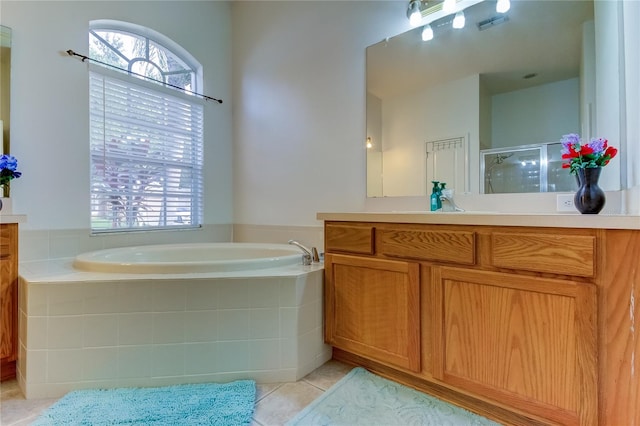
<point x="599" y="221"/>
<point x="13" y="218"/>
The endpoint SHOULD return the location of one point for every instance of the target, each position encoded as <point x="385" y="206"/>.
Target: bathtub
<point x="188" y="258"/>
<point x="169" y="314"/>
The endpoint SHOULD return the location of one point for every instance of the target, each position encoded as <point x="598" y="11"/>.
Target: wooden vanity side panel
<point x="520" y="340"/>
<point x="428" y="244"/>
<point x="373" y="308"/>
<point x="349" y="238"/>
<point x="544" y="252"/>
<point x="619" y="326"/>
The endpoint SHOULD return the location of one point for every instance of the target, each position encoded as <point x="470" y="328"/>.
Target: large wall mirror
<point x="482" y="108"/>
<point x="5" y="86"/>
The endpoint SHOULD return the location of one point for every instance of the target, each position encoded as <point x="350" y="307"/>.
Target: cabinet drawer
<point x="558" y="254"/>
<point x="449" y="246"/>
<point x="349" y="238"/>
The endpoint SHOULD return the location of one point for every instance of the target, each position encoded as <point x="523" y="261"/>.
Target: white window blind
<point x="146" y="157"/>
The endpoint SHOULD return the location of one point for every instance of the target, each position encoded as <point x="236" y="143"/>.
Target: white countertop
<point x="12" y="218"/>
<point x="598" y="221"/>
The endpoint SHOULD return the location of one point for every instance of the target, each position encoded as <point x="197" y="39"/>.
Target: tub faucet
<point x="308" y="256"/>
<point x="448" y="205"/>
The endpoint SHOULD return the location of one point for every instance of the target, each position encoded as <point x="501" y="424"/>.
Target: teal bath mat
<point x="227" y="404"/>
<point x="362" y="398"/>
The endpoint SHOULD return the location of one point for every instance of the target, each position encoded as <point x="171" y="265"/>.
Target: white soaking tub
<point x="169" y="314"/>
<point x="187" y="258"/>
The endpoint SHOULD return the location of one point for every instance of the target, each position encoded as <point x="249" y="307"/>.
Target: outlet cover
<point x="564" y="203"/>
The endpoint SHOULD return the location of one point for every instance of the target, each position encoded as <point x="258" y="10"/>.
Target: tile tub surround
<point x="86" y="330"/>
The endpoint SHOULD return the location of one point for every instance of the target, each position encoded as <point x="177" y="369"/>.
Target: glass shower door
<point x="529" y="168"/>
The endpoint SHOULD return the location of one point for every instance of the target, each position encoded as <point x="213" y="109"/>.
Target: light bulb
<point x="369" y="143"/>
<point x="415" y="16"/>
<point x="448" y="6"/>
<point x="427" y="33"/>
<point x="502" y="6"/>
<point x="458" y="20"/>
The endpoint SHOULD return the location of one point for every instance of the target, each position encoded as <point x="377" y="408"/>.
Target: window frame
<point x="196" y="201"/>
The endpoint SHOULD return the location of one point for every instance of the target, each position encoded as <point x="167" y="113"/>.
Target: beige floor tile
<point x="284" y="403"/>
<point x="10" y="389"/>
<point x="17" y="410"/>
<point x="264" y="389"/>
<point x="328" y="374"/>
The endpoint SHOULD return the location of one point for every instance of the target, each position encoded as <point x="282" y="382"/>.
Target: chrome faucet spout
<point x="451" y="205"/>
<point x="309" y="255"/>
<point x="303" y="248"/>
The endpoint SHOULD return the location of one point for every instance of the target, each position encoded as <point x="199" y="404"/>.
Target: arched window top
<point x="144" y="52"/>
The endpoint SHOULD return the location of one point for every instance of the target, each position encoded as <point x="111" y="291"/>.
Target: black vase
<point x="590" y="197"/>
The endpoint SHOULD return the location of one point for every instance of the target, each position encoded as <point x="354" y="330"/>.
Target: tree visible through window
<point x="146" y="139"/>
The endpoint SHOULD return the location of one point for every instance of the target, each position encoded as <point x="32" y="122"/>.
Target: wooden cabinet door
<point x="8" y="292"/>
<point x="523" y="341"/>
<point x="372" y="308"/>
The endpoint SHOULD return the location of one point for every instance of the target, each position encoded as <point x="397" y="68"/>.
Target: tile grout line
<point x="269" y="393"/>
<point x="315" y="386"/>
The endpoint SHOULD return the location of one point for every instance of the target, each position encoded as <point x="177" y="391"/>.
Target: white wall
<point x="49" y="104"/>
<point x="536" y="115"/>
<point x="50" y="119"/>
<point x="609" y="76"/>
<point x="299" y="105"/>
<point x="374" y="153"/>
<point x="450" y="110"/>
<point x="485" y="117"/>
<point x="631" y="125"/>
<point x="632" y="101"/>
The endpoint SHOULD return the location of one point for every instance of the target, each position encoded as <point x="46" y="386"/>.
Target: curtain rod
<point x="86" y="58"/>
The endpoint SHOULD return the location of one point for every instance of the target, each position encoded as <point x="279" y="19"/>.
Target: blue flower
<point x="8" y="169"/>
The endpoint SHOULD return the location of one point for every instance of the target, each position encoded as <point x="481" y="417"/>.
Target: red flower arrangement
<point x="596" y="153"/>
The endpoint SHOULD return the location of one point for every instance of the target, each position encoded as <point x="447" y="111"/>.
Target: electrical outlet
<point x="564" y="203"/>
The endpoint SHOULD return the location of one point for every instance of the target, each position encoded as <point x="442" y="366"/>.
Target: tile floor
<point x="275" y="403"/>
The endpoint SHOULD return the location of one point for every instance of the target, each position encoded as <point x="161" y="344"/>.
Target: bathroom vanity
<point x="526" y="319"/>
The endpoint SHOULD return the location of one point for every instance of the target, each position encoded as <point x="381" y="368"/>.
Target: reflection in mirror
<point x="5" y="86"/>
<point x="529" y="168"/>
<point x="499" y="88"/>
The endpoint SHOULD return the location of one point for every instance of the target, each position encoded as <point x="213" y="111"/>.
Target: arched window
<point x="146" y="130"/>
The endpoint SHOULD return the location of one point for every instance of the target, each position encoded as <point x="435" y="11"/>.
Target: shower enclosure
<point x="525" y="168"/>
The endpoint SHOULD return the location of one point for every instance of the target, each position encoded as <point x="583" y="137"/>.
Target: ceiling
<point x="541" y="37"/>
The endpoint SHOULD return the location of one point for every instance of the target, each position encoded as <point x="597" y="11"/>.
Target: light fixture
<point x="503" y="6"/>
<point x="414" y="13"/>
<point x="458" y="20"/>
<point x="448" y="6"/>
<point x="427" y="33"/>
<point x="369" y="143"/>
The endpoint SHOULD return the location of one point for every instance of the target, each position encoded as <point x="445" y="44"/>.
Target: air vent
<point x="492" y="22"/>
